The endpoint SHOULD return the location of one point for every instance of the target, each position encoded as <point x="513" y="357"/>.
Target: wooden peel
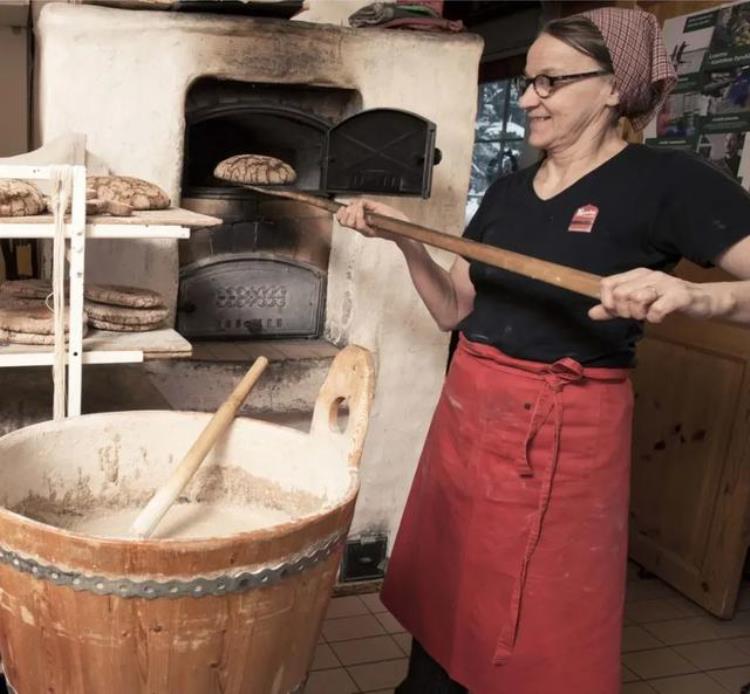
<point x="166" y="495"/>
<point x="552" y="273"/>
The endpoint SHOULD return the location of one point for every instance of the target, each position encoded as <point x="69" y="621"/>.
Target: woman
<point x="509" y="566"/>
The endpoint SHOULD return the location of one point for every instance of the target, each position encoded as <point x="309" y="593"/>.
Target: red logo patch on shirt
<point x="583" y="219"/>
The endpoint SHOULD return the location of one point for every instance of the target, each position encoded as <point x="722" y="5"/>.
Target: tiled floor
<point x="670" y="645"/>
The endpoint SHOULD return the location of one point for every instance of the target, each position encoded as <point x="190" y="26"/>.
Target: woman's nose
<point x="529" y="98"/>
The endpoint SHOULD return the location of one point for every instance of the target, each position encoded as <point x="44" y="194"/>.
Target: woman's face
<point x="573" y="108"/>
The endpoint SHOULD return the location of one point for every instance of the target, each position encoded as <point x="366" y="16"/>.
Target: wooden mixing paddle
<point x="166" y="495"/>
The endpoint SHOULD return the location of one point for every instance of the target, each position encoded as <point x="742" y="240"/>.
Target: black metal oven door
<point x="383" y="151"/>
<point x="250" y="295"/>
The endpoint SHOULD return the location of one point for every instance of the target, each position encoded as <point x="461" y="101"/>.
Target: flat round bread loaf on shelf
<point x="118" y="295"/>
<point x="38" y="320"/>
<point x="20" y="302"/>
<point x="30" y="289"/>
<point x="10" y="336"/>
<point x="135" y="192"/>
<point x="125" y="316"/>
<point x="123" y="327"/>
<point x="255" y="169"/>
<point x="19" y="198"/>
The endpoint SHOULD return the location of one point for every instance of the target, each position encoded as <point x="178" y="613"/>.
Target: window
<point x="498" y="138"/>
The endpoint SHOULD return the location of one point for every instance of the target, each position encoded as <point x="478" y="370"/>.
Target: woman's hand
<point x="650" y="295"/>
<point x="353" y="216"/>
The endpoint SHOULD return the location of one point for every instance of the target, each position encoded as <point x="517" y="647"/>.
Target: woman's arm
<point x="650" y="295"/>
<point x="448" y="295"/>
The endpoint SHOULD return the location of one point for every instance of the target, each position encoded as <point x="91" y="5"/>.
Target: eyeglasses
<point x="544" y="85"/>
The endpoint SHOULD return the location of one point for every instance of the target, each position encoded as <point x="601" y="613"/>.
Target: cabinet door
<point x="691" y="457"/>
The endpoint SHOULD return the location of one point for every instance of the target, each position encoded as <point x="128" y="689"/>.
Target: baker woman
<point x="509" y="566"/>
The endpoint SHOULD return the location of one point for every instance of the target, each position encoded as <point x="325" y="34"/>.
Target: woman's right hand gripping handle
<point x="448" y="295"/>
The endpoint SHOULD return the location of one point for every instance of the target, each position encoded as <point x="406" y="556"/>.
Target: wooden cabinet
<point x="690" y="497"/>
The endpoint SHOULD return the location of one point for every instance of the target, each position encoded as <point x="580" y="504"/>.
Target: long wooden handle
<point x="560" y="275"/>
<point x="166" y="495"/>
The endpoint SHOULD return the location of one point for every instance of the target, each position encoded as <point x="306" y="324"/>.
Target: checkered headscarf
<point x="644" y="75"/>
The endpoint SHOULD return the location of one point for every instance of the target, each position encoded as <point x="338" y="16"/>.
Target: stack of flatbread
<point x="25" y="315"/>
<point x="124" y="309"/>
<point x="29" y="325"/>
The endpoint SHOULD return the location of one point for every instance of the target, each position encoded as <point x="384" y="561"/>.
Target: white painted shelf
<point x="99" y="346"/>
<point x="105" y="347"/>
<point x="174" y="223"/>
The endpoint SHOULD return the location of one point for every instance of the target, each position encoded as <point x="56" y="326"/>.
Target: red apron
<point x="509" y="566"/>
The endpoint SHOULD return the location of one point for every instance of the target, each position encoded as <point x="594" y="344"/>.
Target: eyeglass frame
<point x="524" y="82"/>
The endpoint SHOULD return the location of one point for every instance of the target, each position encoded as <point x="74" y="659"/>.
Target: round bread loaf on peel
<point x="255" y="169"/>
<point x="135" y="192"/>
<point x="119" y="295"/>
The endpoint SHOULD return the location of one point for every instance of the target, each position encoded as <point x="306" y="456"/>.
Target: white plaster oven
<point x="122" y="77"/>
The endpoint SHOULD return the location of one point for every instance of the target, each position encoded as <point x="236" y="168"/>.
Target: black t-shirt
<point x="649" y="208"/>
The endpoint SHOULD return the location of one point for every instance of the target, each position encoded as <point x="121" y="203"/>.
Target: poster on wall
<point x="730" y="43"/>
<point x="708" y="112"/>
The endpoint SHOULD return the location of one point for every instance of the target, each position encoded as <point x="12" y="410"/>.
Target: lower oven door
<point x="250" y="295"/>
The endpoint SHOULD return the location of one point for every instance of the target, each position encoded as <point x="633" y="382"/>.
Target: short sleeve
<point x="704" y="211"/>
<point x="475" y="228"/>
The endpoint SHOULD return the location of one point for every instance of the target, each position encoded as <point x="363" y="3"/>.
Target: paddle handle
<point x="167" y="494"/>
<point x="562" y="276"/>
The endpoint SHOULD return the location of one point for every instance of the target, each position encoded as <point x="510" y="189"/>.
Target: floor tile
<point x="628" y="675"/>
<point x="743" y="600"/>
<point x="711" y="655"/>
<point x="729" y="628"/>
<point x="324" y="658"/>
<point x="381" y="675"/>
<point x="404" y="640"/>
<point x="688" y="684"/>
<point x="347" y="628"/>
<point x="335" y="681"/>
<point x="348" y="606"/>
<point x="367" y="650"/>
<point x="637" y="688"/>
<point x="661" y="662"/>
<point x="731" y="678"/>
<point x="636" y="638"/>
<point x="373" y="602"/>
<point x="646" y="611"/>
<point x="389" y="622"/>
<point x="743" y="644"/>
<point x="678" y="631"/>
<point x="649" y="589"/>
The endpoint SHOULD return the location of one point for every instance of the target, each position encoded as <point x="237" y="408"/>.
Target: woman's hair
<point x="583" y="35"/>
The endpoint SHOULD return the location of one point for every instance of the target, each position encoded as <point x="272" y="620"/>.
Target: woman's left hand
<point x="650" y="295"/>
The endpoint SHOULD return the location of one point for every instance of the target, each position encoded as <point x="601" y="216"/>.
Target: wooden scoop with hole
<point x="167" y="494"/>
<point x="552" y="273"/>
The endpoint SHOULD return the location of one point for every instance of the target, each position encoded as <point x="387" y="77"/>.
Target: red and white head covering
<point x="644" y="75"/>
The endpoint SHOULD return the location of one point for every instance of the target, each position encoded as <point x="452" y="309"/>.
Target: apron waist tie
<point x="548" y="402"/>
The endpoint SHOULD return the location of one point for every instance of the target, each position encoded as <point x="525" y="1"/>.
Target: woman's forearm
<point x="433" y="284"/>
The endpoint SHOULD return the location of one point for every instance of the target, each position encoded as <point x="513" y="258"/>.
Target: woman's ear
<point x="614" y="97"/>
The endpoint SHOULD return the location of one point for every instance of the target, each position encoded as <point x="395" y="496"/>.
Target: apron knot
<point x="555" y="377"/>
<point x="562" y="372"/>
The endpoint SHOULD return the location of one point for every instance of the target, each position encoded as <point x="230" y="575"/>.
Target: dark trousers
<point x="425" y="676"/>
